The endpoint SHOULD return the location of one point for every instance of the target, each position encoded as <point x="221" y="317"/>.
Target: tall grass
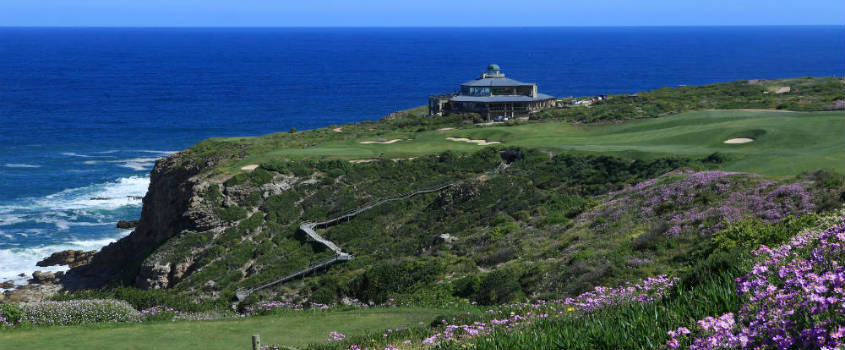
<point x="630" y="326"/>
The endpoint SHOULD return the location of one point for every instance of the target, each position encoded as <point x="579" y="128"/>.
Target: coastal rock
<point x="42" y="277"/>
<point x="127" y="224"/>
<point x="445" y="238"/>
<point x="72" y="258"/>
<point x="211" y="285"/>
<point x="153" y="276"/>
<point x="30" y="293"/>
<point x="7" y="284"/>
<point x="166" y="212"/>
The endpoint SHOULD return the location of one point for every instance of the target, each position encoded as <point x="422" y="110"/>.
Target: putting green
<point x="785" y="143"/>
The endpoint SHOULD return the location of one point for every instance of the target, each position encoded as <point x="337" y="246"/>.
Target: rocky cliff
<point x="165" y="214"/>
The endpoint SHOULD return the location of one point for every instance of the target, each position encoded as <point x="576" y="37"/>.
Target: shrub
<point x="10" y="314"/>
<point x="792" y="299"/>
<point x="385" y="279"/>
<point x="499" y="287"/>
<point x="75" y="312"/>
<point x="260" y="176"/>
<point x="324" y="295"/>
<point x="232" y="214"/>
<point x="749" y="234"/>
<point x="466" y="287"/>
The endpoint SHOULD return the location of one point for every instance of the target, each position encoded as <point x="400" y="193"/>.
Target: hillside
<point x="642" y="221"/>
<point x="554" y="207"/>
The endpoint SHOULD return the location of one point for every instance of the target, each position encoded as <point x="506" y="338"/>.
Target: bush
<point x="75" y="312"/>
<point x="466" y="287"/>
<point x="323" y="295"/>
<point x="499" y="287"/>
<point x="232" y="214"/>
<point x="10" y="314"/>
<point x="749" y="234"/>
<point x="385" y="279"/>
<point x="260" y="176"/>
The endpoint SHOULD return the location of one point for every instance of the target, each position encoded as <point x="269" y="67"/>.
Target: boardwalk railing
<point x="308" y="228"/>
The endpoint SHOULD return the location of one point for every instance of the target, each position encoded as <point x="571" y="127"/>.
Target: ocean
<point x="85" y="112"/>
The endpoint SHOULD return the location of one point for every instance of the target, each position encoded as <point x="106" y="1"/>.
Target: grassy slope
<point x="787" y="143"/>
<point x="289" y="329"/>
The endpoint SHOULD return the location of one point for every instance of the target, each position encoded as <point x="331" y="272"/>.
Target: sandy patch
<point x="445" y="129"/>
<point x="362" y="160"/>
<point x="337" y="130"/>
<point x="250" y="167"/>
<point x="757" y="110"/>
<point x="783" y="90"/>
<point x="477" y="142"/>
<point x="738" y="140"/>
<point x="381" y="142"/>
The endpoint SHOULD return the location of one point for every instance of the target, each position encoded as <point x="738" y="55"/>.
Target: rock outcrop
<point x="72" y="258"/>
<point x="166" y="213"/>
<point x="43" y="277"/>
<point x="127" y="224"/>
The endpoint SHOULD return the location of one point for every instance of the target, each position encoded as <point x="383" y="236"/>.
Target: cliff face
<point x="165" y="214"/>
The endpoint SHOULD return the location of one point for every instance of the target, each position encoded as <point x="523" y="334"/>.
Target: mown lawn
<point x="786" y="143"/>
<point x="289" y="329"/>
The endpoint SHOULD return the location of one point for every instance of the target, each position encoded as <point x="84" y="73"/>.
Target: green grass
<point x="288" y="329"/>
<point x="786" y="143"/>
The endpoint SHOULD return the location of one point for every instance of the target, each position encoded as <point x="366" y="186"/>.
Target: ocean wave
<point x="111" y="195"/>
<point x="74" y="154"/>
<point x="137" y="164"/>
<point x="125" y="191"/>
<point x="165" y="153"/>
<point x="17" y="261"/>
<point x="21" y="165"/>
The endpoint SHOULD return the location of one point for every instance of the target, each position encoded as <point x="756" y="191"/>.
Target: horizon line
<point x="421" y="27"/>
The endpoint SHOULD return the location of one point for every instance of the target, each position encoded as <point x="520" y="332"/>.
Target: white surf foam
<point x="63" y="208"/>
<point x="164" y="153"/>
<point x="16" y="261"/>
<point x="21" y="165"/>
<point x="111" y="195"/>
<point x="93" y="205"/>
<point x="138" y="164"/>
<point x="74" y="154"/>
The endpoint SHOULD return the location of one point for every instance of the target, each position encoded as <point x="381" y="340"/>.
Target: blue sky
<point x="419" y="13"/>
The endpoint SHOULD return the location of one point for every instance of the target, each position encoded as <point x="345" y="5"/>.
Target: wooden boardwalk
<point x="340" y="256"/>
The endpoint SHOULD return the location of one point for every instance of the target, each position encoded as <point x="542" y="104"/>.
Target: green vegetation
<point x="566" y="202"/>
<point x="785" y="143"/>
<point x="292" y="329"/>
<point x="805" y="94"/>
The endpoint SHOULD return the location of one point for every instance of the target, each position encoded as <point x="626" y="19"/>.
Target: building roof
<point x="489" y="82"/>
<point x="501" y="98"/>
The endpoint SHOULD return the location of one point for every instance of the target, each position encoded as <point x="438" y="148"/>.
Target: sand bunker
<point x="250" y="167"/>
<point x="477" y="142"/>
<point x="445" y="129"/>
<point x="337" y="130"/>
<point x="738" y="140"/>
<point x="362" y="160"/>
<point x="381" y="142"/>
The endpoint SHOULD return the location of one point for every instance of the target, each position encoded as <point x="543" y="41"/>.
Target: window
<point x="504" y="91"/>
<point x="475" y="91"/>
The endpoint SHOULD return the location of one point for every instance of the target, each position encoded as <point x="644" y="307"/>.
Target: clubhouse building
<point x="493" y="96"/>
